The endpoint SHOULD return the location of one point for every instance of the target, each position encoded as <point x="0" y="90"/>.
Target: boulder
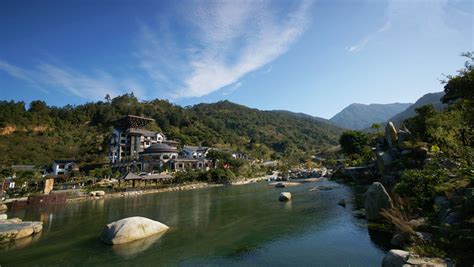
<point x="97" y="193"/>
<point x="417" y="223"/>
<point x="12" y="220"/>
<point x="285" y="196"/>
<point x="12" y="231"/>
<point x="391" y="134"/>
<point x="342" y="203"/>
<point x="453" y="218"/>
<point x="399" y="240"/>
<point x="403" y="135"/>
<point x="3" y="217"/>
<point x="384" y="161"/>
<point x="376" y="199"/>
<point x="131" y="229"/>
<point x="3" y="207"/>
<point x="401" y="258"/>
<point x="280" y="185"/>
<point x="395" y="258"/>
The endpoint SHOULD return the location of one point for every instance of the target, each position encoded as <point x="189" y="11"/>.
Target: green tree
<point x="353" y="142"/>
<point x="418" y="124"/>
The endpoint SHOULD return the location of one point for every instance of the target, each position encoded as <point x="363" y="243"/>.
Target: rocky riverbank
<point x="181" y="187"/>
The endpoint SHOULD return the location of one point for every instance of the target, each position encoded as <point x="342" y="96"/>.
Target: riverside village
<point x="237" y="133"/>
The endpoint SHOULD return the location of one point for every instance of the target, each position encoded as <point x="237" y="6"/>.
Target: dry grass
<point x="399" y="220"/>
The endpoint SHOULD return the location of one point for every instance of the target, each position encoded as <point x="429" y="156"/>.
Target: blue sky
<point x="306" y="56"/>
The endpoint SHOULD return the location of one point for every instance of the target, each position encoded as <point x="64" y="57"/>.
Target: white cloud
<point x="232" y="88"/>
<point x="19" y="73"/>
<point x="231" y="39"/>
<point x="89" y="87"/>
<point x="208" y="46"/>
<point x="363" y="42"/>
<point x="419" y="19"/>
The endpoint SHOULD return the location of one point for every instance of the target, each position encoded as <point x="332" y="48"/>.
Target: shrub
<point x="420" y="185"/>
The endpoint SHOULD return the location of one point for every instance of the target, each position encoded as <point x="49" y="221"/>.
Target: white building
<point x="129" y="138"/>
<point x="195" y="152"/>
<point x="63" y="167"/>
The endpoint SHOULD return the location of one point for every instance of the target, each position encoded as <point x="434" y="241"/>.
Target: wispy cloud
<point x="60" y="78"/>
<point x="232" y="88"/>
<point x="231" y="39"/>
<point x="364" y="41"/>
<point x="20" y="73"/>
<point x="208" y="46"/>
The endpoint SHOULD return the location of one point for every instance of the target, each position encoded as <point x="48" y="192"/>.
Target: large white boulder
<point x="285" y="196"/>
<point x="376" y="199"/>
<point x="131" y="229"/>
<point x="3" y="217"/>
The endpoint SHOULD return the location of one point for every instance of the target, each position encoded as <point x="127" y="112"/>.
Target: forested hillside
<point x="37" y="133"/>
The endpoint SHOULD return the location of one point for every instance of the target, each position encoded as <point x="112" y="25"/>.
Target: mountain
<point x="40" y="133"/>
<point x="431" y="98"/>
<point x="303" y="116"/>
<point x="360" y="116"/>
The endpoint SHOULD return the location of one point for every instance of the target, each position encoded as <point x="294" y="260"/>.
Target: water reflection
<point x="132" y="249"/>
<point x="229" y="223"/>
<point x="21" y="243"/>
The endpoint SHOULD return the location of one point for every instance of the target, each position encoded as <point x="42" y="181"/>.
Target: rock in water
<point x="3" y="217"/>
<point x="97" y="193"/>
<point x="391" y="134"/>
<point x="16" y="230"/>
<point x="400" y="258"/>
<point x="342" y="203"/>
<point x="131" y="229"/>
<point x="285" y="196"/>
<point x="280" y="185"/>
<point x="376" y="199"/>
<point x="395" y="258"/>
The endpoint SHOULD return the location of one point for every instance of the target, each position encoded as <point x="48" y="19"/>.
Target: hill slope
<point x="360" y="116"/>
<point x="431" y="98"/>
<point x="41" y="133"/>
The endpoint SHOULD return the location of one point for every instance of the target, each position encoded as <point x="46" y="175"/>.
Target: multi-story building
<point x="129" y="138"/>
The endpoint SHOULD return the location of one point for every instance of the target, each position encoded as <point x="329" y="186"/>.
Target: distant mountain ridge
<point x="430" y="98"/>
<point x="360" y="116"/>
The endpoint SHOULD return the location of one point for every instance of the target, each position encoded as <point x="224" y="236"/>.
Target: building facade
<point x="64" y="167"/>
<point x="129" y="138"/>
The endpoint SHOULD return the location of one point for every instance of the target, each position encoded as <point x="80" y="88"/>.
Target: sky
<point x="307" y="56"/>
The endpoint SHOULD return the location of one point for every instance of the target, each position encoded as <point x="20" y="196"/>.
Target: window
<point x="61" y="166"/>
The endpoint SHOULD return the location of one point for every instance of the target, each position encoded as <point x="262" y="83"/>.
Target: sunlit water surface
<point x="235" y="225"/>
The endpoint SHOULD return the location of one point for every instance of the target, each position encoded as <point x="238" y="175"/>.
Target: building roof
<point x="195" y="148"/>
<point x="173" y="142"/>
<point x="64" y="161"/>
<point x="160" y="148"/>
<point x="157" y="177"/>
<point x="189" y="160"/>
<point x="131" y="176"/>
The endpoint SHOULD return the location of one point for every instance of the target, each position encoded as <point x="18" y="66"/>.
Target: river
<point x="236" y="225"/>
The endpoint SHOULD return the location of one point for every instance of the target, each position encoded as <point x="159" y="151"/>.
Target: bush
<point x="420" y="186"/>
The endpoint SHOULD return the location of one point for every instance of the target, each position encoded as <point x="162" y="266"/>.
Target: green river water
<point x="220" y="226"/>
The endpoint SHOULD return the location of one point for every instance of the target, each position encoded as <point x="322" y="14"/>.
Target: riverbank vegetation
<point x="430" y="169"/>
